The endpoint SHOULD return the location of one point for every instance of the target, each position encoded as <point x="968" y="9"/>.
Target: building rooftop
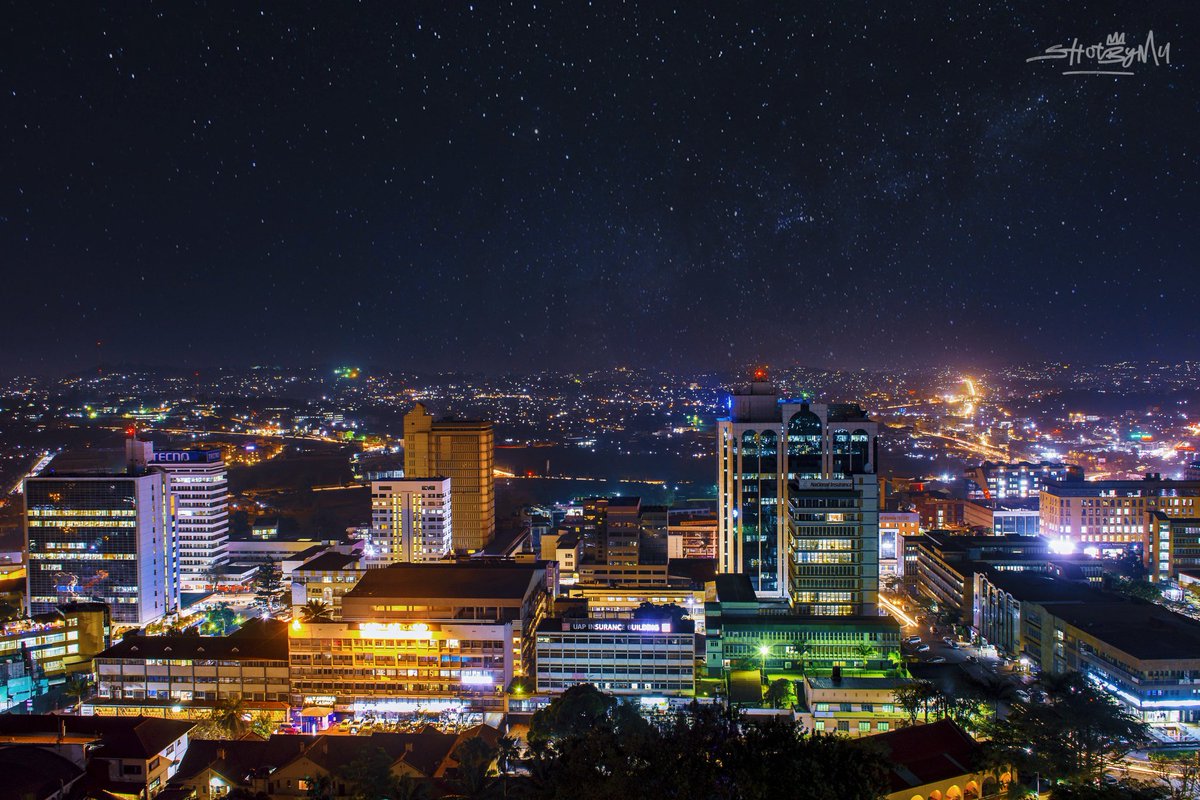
<point x="35" y="772"/>
<point x="735" y="588"/>
<point x="924" y="754"/>
<point x="1150" y="485"/>
<point x="880" y="682"/>
<point x="121" y="737"/>
<point x="1143" y="630"/>
<point x="256" y="640"/>
<point x="329" y="562"/>
<point x="496" y="581"/>
<point x="1038" y="587"/>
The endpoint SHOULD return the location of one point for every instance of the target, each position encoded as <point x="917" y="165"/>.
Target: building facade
<point x="422" y="636"/>
<point x="411" y="520"/>
<point x="108" y="538"/>
<point x="190" y="675"/>
<point x="893" y="527"/>
<point x="1109" y="518"/>
<point x="199" y="485"/>
<point x="833" y="546"/>
<point x="1174" y="545"/>
<point x="763" y="446"/>
<point x="1021" y="480"/>
<point x="620" y="656"/>
<point x="464" y="452"/>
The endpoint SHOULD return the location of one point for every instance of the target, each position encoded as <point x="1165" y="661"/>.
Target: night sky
<point x="519" y="186"/>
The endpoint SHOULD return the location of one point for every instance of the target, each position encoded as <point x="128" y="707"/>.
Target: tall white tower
<point x="410" y="520"/>
<point x="199" y="484"/>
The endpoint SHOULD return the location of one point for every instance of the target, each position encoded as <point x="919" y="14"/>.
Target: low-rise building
<point x="185" y="676"/>
<point x="851" y="706"/>
<point x="939" y="760"/>
<point x="422" y="636"/>
<point x="1174" y="545"/>
<point x="58" y="643"/>
<point x="741" y="632"/>
<point x="947" y="563"/>
<point x="1146" y="657"/>
<point x="1109" y="518"/>
<point x="326" y="577"/>
<point x="894" y="527"/>
<point x="622" y="656"/>
<point x="129" y="757"/>
<point x="289" y="766"/>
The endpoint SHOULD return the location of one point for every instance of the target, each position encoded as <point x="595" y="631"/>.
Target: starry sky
<point x="516" y="186"/>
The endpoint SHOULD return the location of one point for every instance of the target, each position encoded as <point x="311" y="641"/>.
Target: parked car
<point x="913" y="640"/>
<point x="948" y="640"/>
<point x="923" y="648"/>
<point x="937" y="660"/>
<point x="955" y="646"/>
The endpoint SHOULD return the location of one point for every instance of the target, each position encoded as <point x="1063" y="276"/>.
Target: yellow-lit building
<point x="1111" y="517"/>
<point x="464" y="452"/>
<point x="422" y="636"/>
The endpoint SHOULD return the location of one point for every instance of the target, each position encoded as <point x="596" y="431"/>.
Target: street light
<point x="764" y="650"/>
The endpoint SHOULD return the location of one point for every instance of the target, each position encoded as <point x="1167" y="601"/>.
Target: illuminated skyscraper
<point x="464" y="452"/>
<point x="109" y="538"/>
<point x="411" y="520"/>
<point x="765" y="446"/>
<point x="199" y="484"/>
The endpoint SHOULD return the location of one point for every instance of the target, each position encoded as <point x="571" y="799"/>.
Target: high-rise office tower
<point x="411" y="520"/>
<point x="765" y="446"/>
<point x="103" y="537"/>
<point x="464" y="452"/>
<point x="833" y="545"/>
<point x="199" y="484"/>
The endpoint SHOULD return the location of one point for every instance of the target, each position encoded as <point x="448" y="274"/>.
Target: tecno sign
<point x="185" y="456"/>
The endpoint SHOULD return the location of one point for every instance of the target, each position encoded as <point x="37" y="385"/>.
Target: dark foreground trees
<point x="1073" y="737"/>
<point x="588" y="746"/>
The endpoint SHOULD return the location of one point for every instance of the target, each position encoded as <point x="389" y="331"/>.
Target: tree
<point x="370" y="775"/>
<point x="781" y="693"/>
<point x="320" y="787"/>
<point x="263" y="725"/>
<point x="1118" y="791"/>
<point x="316" y="611"/>
<point x="220" y="618"/>
<point x="575" y="711"/>
<point x="230" y="716"/>
<point x="705" y="751"/>
<point x="1139" y="588"/>
<point x="268" y="585"/>
<point x="77" y="688"/>
<point x="919" y="698"/>
<point x="1073" y="737"/>
<point x="508" y="750"/>
<point x="1179" y="774"/>
<point x="475" y="758"/>
<point x="864" y="652"/>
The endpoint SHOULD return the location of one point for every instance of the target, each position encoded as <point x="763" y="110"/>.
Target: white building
<point x="200" y="486"/>
<point x="410" y="520"/>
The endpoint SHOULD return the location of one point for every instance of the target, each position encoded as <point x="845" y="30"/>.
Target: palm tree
<point x="507" y="750"/>
<point x="316" y="611"/>
<point x="230" y="716"/>
<point x="864" y="651"/>
<point x="77" y="687"/>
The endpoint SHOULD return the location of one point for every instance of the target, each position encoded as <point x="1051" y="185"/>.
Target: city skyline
<point x="477" y="188"/>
